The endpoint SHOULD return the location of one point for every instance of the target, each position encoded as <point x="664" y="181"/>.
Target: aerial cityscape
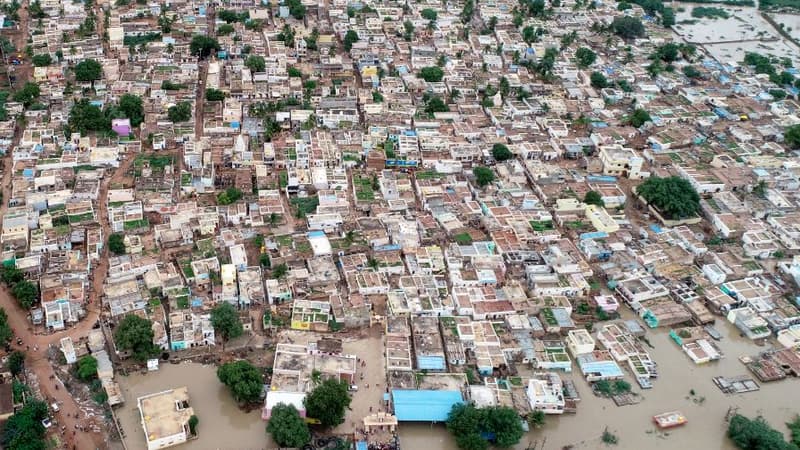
<point x="385" y="225"/>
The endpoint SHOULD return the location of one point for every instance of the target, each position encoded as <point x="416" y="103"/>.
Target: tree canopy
<point x="483" y="175"/>
<point x="243" y="379"/>
<point x="181" y="112"/>
<point x="88" y="70"/>
<point x="6" y="333"/>
<point x="585" y="56"/>
<point x="28" y="94"/>
<point x="85" y="117"/>
<point x="214" y="95"/>
<point x="431" y="74"/>
<point x="26" y="293"/>
<point x="116" y="243"/>
<point x="202" y="46"/>
<point x="593" y="198"/>
<point x="639" y="117"/>
<point x="24" y="430"/>
<point x="42" y="60"/>
<point x="328" y="402"/>
<point x="628" y="27"/>
<point x="350" y="38"/>
<point x="287" y="428"/>
<point x="131" y="106"/>
<point x="674" y="197"/>
<point x="792" y="136"/>
<point x="86" y="368"/>
<point x="136" y="334"/>
<point x="598" y="80"/>
<point x="501" y="153"/>
<point x="756" y="434"/>
<point x="255" y="63"/>
<point x="16" y="362"/>
<point x="472" y="427"/>
<point x="225" y="320"/>
<point x="228" y="196"/>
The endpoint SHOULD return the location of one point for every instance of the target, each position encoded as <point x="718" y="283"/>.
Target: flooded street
<point x="633" y="424"/>
<point x="222" y="424"/>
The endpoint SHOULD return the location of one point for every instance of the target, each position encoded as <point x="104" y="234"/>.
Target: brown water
<point x="222" y="424"/>
<point x="776" y="401"/>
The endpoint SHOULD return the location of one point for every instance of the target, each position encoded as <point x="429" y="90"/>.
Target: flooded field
<point x="791" y="21"/>
<point x="222" y="424"/>
<point x="633" y="425"/>
<point x="744" y="31"/>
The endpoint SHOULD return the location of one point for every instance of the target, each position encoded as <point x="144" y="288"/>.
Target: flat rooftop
<point x="165" y="413"/>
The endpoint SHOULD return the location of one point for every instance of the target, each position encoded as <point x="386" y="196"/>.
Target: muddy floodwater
<point x="706" y="410"/>
<point x="222" y="424"/>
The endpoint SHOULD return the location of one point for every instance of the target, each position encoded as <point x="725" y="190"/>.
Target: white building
<point x="545" y="393"/>
<point x="165" y="417"/>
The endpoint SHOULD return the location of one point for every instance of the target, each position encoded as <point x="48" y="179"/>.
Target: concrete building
<point x="165" y="417"/>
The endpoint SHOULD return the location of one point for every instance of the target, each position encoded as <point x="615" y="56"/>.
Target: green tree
<point x="6" y="333"/>
<point x="181" y="112"/>
<point x="116" y="243"/>
<point x="431" y="74"/>
<point x="255" y="63"/>
<point x="483" y="175"/>
<point x="225" y="320"/>
<point x="287" y="428"/>
<point x="537" y="418"/>
<point x="280" y="271"/>
<point x="593" y="198"/>
<point x="673" y="196"/>
<point x="501" y="153"/>
<point x="691" y="72"/>
<point x="294" y="72"/>
<point x="193" y="422"/>
<point x="16" y="362"/>
<point x="86" y="368"/>
<point x="42" y="60"/>
<point x="668" y="17"/>
<point x="428" y="14"/>
<point x="585" y="56"/>
<point x="756" y="434"/>
<point x="88" y="70"/>
<point x="243" y="379"/>
<point x="296" y="9"/>
<point x="350" y="38"/>
<point x="328" y="402"/>
<point x="24" y="430"/>
<point x="202" y="46"/>
<point x="85" y="117"/>
<point x="225" y="29"/>
<point x="472" y="426"/>
<point x="28" y="94"/>
<point x="598" y="80"/>
<point x="792" y="136"/>
<point x="436" y="104"/>
<point x="26" y="293"/>
<point x="668" y="52"/>
<point x="628" y="27"/>
<point x="131" y="106"/>
<point x="214" y="95"/>
<point x="229" y="196"/>
<point x="638" y="118"/>
<point x="135" y="333"/>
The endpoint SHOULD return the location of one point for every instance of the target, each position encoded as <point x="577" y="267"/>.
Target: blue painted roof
<point x="424" y="405"/>
<point x="361" y="445"/>
<point x="312" y="234"/>
<point x="431" y="362"/>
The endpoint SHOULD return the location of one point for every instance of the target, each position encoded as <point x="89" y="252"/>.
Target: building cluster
<point x="323" y="163"/>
